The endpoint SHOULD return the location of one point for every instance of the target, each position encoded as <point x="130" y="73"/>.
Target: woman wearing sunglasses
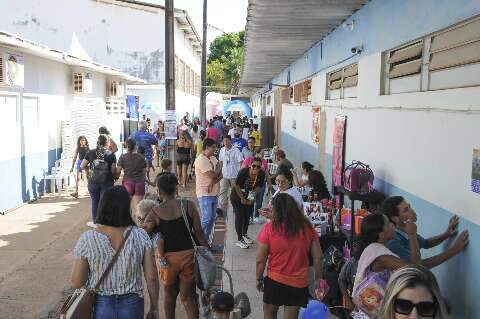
<point x="247" y="184"/>
<point x="413" y="292"/>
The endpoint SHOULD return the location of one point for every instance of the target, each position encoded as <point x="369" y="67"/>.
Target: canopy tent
<point x="238" y="106"/>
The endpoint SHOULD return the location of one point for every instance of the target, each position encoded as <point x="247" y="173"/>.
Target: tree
<point x="225" y="62"/>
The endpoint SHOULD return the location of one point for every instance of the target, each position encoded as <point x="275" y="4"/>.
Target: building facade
<point x="406" y="75"/>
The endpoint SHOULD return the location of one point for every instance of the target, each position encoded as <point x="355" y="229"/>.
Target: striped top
<point x="126" y="274"/>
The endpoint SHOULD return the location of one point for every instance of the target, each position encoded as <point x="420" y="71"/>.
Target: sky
<point x="227" y="15"/>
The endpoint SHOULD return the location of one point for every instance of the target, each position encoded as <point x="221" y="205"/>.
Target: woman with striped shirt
<point x="120" y="295"/>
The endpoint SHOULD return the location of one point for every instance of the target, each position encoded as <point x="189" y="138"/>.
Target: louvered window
<point x="456" y="46"/>
<point x="78" y="83"/>
<point x="405" y="61"/>
<point x="340" y="82"/>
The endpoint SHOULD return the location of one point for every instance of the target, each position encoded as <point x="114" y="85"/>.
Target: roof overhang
<point x="278" y="32"/>
<point x="23" y="45"/>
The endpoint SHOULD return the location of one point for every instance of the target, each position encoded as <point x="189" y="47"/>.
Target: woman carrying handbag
<point x="104" y="255"/>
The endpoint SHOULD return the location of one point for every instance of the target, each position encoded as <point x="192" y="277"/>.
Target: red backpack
<point x="358" y="177"/>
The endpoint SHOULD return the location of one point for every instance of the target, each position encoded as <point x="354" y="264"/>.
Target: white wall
<point x="130" y="39"/>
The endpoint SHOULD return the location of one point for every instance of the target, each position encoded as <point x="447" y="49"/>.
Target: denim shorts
<point x="129" y="306"/>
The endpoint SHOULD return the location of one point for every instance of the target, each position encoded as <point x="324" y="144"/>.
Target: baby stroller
<point x="218" y="304"/>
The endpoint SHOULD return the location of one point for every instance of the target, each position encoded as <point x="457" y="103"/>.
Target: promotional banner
<point x="337" y="154"/>
<point x="316" y="125"/>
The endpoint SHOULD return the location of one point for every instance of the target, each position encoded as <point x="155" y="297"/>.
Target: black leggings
<point x="242" y="218"/>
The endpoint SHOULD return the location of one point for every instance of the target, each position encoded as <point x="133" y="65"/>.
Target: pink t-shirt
<point x="212" y="133"/>
<point x="248" y="161"/>
<point x="204" y="164"/>
<point x="287" y="256"/>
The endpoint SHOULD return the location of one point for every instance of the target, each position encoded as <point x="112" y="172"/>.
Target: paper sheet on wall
<point x="170" y="125"/>
<point x="476" y="171"/>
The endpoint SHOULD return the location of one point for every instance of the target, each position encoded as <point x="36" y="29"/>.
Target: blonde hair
<point x="411" y="277"/>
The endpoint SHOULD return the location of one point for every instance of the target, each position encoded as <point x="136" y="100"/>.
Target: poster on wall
<point x="337" y="153"/>
<point x="316" y="125"/>
<point x="476" y="171"/>
<point x="170" y="125"/>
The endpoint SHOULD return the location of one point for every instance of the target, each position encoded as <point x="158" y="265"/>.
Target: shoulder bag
<point x="79" y="305"/>
<point x="205" y="266"/>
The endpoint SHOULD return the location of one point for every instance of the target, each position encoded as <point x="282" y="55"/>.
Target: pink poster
<point x="337" y="154"/>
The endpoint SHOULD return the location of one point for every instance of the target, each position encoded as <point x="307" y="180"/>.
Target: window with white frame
<point x="342" y="83"/>
<point x="446" y="59"/>
<point x="115" y="89"/>
<point x="82" y="82"/>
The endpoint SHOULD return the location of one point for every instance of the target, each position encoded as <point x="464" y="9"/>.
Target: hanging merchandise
<point x="316" y="125"/>
<point x="358" y="177"/>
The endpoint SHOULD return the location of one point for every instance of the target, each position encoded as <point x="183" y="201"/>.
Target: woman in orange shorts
<point x="177" y="272"/>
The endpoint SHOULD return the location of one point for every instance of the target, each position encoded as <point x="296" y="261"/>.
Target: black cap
<point x="222" y="302"/>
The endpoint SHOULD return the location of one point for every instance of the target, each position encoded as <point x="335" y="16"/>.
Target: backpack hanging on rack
<point x="358" y="177"/>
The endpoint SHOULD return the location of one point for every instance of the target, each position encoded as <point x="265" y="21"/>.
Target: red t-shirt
<point x="287" y="256"/>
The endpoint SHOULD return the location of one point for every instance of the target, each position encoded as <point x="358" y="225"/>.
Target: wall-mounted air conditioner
<point x="12" y="70"/>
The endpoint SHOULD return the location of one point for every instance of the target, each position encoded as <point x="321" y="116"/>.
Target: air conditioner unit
<point x="82" y="82"/>
<point x="12" y="70"/>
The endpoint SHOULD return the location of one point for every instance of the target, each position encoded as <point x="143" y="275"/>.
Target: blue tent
<point x="238" y="105"/>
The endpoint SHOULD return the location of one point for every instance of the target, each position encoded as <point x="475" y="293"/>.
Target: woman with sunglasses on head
<point x="247" y="184"/>
<point x="413" y="293"/>
<point x="284" y="181"/>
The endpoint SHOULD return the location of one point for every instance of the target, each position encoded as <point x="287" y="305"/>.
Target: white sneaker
<point x="247" y="240"/>
<point x="92" y="225"/>
<point x="242" y="244"/>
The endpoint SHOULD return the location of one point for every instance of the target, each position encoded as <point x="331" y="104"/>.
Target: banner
<point x="170" y="125"/>
<point x="316" y="125"/>
<point x="337" y="154"/>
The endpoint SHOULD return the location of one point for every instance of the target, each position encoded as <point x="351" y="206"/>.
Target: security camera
<point x="357" y="49"/>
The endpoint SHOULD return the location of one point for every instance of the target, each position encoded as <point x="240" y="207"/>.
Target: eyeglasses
<point x="424" y="308"/>
<point x="255" y="166"/>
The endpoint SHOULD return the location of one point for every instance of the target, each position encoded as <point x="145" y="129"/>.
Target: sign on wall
<point x="170" y="125"/>
<point x="338" y="151"/>
<point x="476" y="171"/>
<point x="316" y="125"/>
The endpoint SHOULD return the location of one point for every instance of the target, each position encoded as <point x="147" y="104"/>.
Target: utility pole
<point x="170" y="73"/>
<point x="203" y="101"/>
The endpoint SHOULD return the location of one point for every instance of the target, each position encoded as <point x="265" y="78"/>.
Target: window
<point x="192" y="82"/>
<point x="446" y="59"/>
<point x="1" y="69"/>
<point x="115" y="89"/>
<point x="286" y="95"/>
<point x="341" y="83"/>
<point x="181" y="78"/>
<point x="302" y="92"/>
<point x="78" y="82"/>
<point x="187" y="79"/>
<point x="176" y="72"/>
<point x="269" y="98"/>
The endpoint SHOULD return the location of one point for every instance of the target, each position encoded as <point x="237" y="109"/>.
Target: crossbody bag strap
<point x="187" y="224"/>
<point x="114" y="259"/>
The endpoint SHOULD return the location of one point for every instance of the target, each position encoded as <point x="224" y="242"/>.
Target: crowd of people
<point x="384" y="276"/>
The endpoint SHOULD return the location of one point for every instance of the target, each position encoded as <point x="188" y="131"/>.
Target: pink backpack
<point x="358" y="177"/>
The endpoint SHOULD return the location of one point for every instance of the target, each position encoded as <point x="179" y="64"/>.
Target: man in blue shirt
<point x="399" y="211"/>
<point x="146" y="140"/>
<point x="238" y="141"/>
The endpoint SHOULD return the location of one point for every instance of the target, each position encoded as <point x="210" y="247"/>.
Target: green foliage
<point x="224" y="63"/>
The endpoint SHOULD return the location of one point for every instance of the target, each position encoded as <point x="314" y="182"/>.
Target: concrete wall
<point x="422" y="155"/>
<point x="132" y="40"/>
<point x="31" y="124"/>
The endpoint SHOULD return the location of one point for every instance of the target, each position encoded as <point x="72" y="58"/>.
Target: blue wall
<point x="22" y="178"/>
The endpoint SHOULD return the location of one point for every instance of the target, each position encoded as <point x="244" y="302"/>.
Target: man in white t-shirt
<point x="231" y="160"/>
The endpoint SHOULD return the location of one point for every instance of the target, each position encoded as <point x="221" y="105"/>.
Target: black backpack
<point x="100" y="170"/>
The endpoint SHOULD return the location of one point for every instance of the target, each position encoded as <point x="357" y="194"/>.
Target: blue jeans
<point x="259" y="200"/>
<point x="129" y="306"/>
<point x="96" y="191"/>
<point x="208" y="206"/>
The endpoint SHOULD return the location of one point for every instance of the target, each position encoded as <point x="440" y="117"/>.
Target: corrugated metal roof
<point x="278" y="32"/>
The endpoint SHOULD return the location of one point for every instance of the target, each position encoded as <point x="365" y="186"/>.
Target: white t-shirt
<point x="231" y="132"/>
<point x="231" y="160"/>
<point x="292" y="191"/>
<point x="245" y="133"/>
